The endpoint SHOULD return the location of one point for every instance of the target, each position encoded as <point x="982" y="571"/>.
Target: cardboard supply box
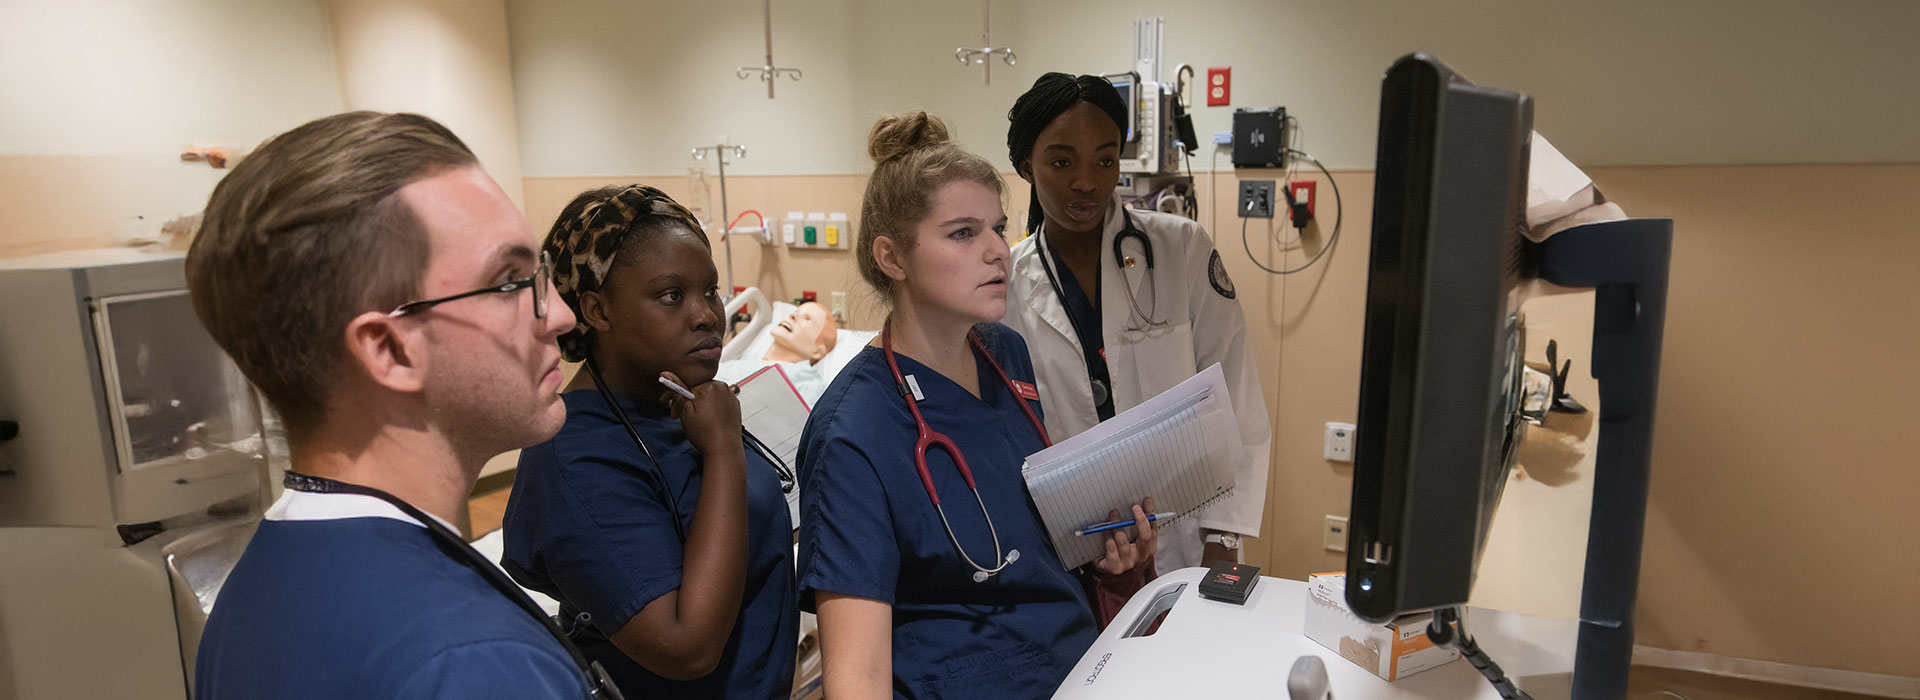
<point x="1392" y="651"/>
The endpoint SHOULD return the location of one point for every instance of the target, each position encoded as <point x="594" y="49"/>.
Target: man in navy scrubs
<point x="388" y="300"/>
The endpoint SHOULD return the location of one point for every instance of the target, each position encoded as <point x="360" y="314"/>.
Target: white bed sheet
<point x="810" y="380"/>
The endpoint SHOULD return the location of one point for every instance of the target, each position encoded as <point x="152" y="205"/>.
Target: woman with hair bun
<point x="934" y="577"/>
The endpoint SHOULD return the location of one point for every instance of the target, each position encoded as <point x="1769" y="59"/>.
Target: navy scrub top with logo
<point x="587" y="525"/>
<point x="868" y="529"/>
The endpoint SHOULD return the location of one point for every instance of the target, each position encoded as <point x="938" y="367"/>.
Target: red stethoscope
<point x="930" y="438"/>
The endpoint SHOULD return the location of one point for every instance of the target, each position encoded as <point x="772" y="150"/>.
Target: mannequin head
<point x="806" y="335"/>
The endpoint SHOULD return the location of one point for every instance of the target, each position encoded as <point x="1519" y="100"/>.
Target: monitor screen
<point x="1441" y="359"/>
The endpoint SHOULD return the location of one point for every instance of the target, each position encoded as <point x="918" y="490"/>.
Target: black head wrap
<point x="588" y="235"/>
<point x="1051" y="96"/>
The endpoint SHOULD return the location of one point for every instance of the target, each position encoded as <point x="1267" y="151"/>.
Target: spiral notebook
<point x="1179" y="447"/>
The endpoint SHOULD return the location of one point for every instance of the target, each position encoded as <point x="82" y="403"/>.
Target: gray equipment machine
<point x="137" y="472"/>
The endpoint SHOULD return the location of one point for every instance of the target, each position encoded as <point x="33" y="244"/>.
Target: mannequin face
<point x="806" y="334"/>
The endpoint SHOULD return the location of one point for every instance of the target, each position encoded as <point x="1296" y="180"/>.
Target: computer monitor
<point x="1441" y="367"/>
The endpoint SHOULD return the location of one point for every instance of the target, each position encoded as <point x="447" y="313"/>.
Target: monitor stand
<point x="1626" y="263"/>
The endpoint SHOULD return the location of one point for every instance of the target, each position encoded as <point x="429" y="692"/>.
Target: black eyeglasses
<point x="541" y="282"/>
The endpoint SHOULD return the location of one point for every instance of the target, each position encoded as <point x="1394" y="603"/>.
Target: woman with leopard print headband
<point x="663" y="538"/>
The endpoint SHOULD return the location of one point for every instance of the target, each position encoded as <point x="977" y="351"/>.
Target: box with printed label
<point x="1392" y="651"/>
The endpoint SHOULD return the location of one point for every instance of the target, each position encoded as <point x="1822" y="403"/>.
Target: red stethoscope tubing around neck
<point x="930" y="437"/>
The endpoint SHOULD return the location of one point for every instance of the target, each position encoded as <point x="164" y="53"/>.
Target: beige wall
<point x="446" y="59"/>
<point x="612" y="87"/>
<point x="1781" y="524"/>
<point x="101" y="97"/>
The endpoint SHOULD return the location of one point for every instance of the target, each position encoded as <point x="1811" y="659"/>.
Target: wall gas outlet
<point x="1335" y="537"/>
<point x="1256" y="199"/>
<point x="790" y="229"/>
<point x="1339" y="445"/>
<point x="838" y="230"/>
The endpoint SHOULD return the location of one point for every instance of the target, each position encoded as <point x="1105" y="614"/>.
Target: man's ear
<point x="388" y="351"/>
<point x="819" y="351"/>
<point x="888" y="257"/>
<point x="593" y="310"/>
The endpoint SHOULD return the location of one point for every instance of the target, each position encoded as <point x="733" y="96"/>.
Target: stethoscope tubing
<point x="929" y="438"/>
<point x="1120" y="260"/>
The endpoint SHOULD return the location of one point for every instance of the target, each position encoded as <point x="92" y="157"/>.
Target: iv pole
<point x="721" y="152"/>
<point x="984" y="55"/>
<point x="769" y="71"/>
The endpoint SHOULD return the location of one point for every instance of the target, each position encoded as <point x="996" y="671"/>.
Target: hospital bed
<point x="740" y="357"/>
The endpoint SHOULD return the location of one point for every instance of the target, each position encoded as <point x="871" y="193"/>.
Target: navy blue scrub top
<point x="370" y="607"/>
<point x="868" y="529"/>
<point x="587" y="524"/>
<point x="1084" y="316"/>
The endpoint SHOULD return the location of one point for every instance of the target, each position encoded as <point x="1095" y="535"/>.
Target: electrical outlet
<point x="839" y="306"/>
<point x="1335" y="537"/>
<point x="1303" y="194"/>
<point x="1339" y="443"/>
<point x="1256" y="199"/>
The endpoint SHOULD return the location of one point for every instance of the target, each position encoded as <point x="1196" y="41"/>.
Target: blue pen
<point x="1103" y="527"/>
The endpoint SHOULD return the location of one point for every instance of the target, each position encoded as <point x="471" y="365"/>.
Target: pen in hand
<point x="681" y="390"/>
<point x="1103" y="527"/>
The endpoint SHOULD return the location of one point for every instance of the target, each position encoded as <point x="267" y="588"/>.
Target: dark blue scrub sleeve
<point x="619" y="552"/>
<point x="852" y="551"/>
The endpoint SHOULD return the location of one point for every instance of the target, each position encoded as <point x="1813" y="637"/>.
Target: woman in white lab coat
<point x="1120" y="305"/>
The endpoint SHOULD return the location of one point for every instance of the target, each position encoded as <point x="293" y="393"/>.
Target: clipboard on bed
<point x="773" y="410"/>
<point x="1181" y="447"/>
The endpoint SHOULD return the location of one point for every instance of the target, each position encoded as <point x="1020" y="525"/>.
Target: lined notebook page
<point x="1178" y="447"/>
<point x="771" y="408"/>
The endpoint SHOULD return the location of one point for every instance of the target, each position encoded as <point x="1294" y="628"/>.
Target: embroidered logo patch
<point x="1217" y="274"/>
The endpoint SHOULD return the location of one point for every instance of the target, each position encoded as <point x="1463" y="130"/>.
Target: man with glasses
<point x="385" y="296"/>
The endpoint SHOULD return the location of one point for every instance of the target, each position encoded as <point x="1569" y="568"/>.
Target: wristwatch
<point x="1225" y="539"/>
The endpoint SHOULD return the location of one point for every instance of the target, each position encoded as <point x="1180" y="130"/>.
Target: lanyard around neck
<point x="600" y="685"/>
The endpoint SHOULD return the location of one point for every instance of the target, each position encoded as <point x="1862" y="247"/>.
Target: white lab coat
<point x="1204" y="326"/>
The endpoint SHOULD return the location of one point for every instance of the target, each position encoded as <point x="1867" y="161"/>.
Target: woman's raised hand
<point x="711" y="418"/>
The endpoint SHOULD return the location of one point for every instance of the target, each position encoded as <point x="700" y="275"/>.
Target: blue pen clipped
<point x="1103" y="527"/>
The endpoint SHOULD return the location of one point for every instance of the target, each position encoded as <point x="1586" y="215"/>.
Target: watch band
<point x="1224" y="539"/>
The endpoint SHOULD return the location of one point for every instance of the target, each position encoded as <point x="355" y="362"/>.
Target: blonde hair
<point x="913" y="156"/>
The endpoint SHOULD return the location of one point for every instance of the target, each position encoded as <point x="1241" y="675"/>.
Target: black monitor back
<point x="1440" y="367"/>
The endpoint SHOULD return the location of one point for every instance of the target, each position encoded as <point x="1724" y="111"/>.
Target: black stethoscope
<point x="599" y="684"/>
<point x="1124" y="262"/>
<point x="930" y="438"/>
<point x="752" y="441"/>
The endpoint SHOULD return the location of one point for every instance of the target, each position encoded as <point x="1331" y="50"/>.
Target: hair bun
<point x="896" y="135"/>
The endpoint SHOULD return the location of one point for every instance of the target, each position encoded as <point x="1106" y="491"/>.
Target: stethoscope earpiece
<point x="981" y="576"/>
